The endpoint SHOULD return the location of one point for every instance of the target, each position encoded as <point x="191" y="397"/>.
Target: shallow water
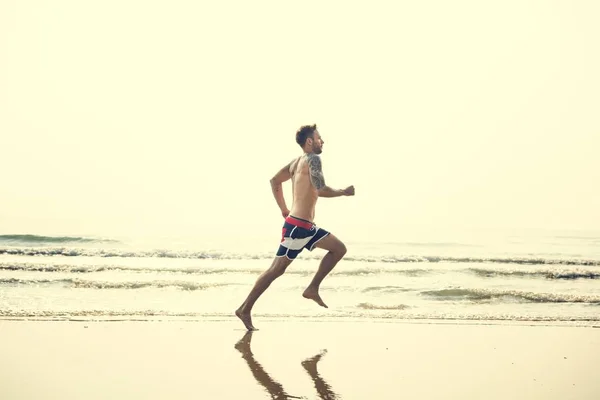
<point x="535" y="278"/>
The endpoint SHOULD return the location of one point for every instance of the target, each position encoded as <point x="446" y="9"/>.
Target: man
<point x="299" y="232"/>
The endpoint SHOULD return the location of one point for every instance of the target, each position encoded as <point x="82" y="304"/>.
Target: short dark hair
<point x="304" y="133"/>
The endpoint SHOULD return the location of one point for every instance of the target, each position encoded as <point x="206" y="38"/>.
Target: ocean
<point x="554" y="278"/>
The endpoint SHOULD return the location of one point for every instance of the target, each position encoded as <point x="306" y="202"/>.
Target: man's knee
<point x="278" y="270"/>
<point x="279" y="266"/>
<point x="340" y="250"/>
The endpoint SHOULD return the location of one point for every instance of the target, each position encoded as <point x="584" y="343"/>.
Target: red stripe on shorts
<point x="299" y="222"/>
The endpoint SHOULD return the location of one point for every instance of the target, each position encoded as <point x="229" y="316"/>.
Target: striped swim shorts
<point x="298" y="234"/>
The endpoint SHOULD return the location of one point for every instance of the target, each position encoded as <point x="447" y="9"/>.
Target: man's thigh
<point x="331" y="243"/>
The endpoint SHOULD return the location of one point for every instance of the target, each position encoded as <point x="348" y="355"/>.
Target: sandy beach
<point x="299" y="359"/>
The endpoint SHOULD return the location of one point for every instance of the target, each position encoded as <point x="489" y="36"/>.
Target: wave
<point x="378" y="271"/>
<point x="84" y="269"/>
<point x="369" y="306"/>
<point x="27" y="238"/>
<point x="387" y="289"/>
<point x="67" y="268"/>
<point x="430" y="244"/>
<point x="549" y="274"/>
<point x="78" y="252"/>
<point x="76" y="283"/>
<point x="391" y="314"/>
<point x="488" y="294"/>
<point x="487" y="273"/>
<point x="498" y="260"/>
<point x="116" y="253"/>
<point x="591" y="238"/>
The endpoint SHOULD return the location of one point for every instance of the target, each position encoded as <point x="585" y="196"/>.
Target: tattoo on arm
<point x="316" y="171"/>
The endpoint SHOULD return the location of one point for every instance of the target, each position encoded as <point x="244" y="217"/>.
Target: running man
<point x="299" y="232"/>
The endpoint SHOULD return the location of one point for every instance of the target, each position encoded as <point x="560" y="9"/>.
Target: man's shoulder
<point x="293" y="164"/>
<point x="313" y="157"/>
<point x="313" y="160"/>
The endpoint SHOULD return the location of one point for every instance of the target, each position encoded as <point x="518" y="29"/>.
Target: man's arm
<point x="326" y="191"/>
<point x="276" y="181"/>
<point x="318" y="180"/>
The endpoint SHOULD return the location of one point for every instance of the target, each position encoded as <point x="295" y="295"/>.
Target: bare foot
<point x="314" y="295"/>
<point x="246" y="319"/>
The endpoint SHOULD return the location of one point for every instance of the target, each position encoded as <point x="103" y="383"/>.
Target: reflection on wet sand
<point x="324" y="390"/>
<point x="274" y="388"/>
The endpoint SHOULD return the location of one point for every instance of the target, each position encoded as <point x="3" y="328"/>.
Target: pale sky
<point x="146" y="116"/>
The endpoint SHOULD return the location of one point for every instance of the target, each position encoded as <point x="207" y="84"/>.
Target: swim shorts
<point x="298" y="234"/>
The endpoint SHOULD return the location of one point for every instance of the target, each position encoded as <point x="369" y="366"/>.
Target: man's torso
<point x="304" y="193"/>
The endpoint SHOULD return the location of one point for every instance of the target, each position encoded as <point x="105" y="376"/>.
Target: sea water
<point x="537" y="277"/>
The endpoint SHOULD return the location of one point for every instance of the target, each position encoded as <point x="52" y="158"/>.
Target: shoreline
<point x="590" y="324"/>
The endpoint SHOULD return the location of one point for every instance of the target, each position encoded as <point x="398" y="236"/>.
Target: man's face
<point x="317" y="143"/>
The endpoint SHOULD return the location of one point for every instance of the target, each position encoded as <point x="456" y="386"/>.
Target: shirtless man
<point x="299" y="231"/>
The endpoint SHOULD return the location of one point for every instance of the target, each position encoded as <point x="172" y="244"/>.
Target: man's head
<point x="309" y="139"/>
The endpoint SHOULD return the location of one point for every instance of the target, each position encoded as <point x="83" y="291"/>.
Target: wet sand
<point x="296" y="359"/>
